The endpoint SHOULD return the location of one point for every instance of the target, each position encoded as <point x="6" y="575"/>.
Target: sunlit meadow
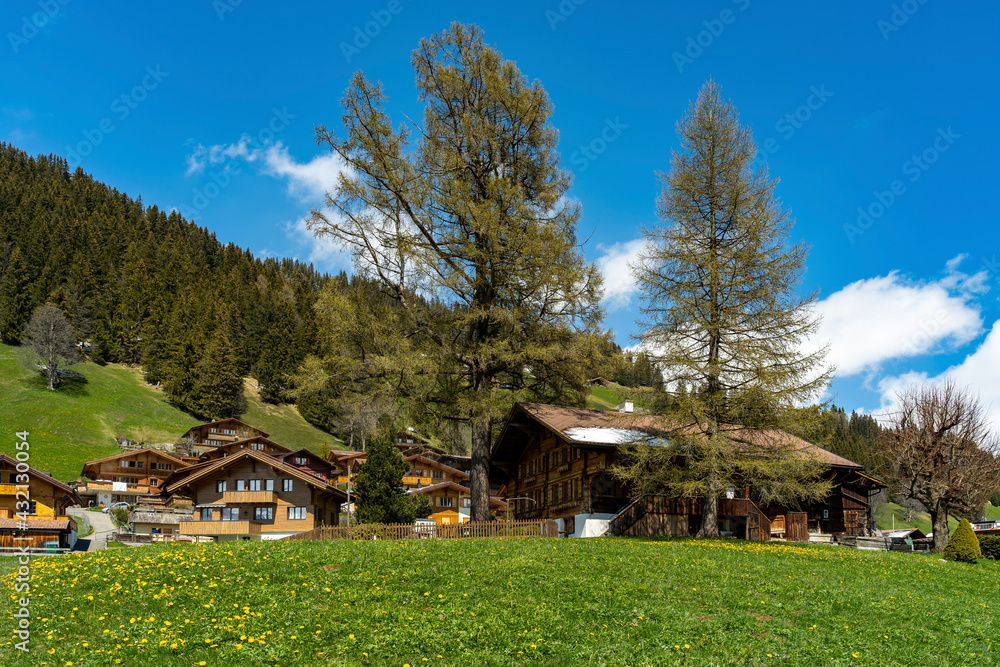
<point x="505" y="602"/>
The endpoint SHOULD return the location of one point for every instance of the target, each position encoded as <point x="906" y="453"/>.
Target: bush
<point x="963" y="545"/>
<point x="990" y="546"/>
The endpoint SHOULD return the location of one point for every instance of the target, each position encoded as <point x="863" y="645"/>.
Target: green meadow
<point x="80" y="420"/>
<point x="506" y="602"/>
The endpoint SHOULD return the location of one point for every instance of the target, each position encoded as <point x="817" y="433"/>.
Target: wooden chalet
<point x="450" y="502"/>
<point x="204" y="437"/>
<point x="126" y="477"/>
<point x="555" y="462"/>
<point x="47" y="527"/>
<point x="257" y="442"/>
<point x="423" y="471"/>
<point x="308" y="460"/>
<point x="250" y="495"/>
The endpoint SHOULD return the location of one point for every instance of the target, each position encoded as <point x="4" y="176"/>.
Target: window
<point x="437" y="474"/>
<point x="211" y="429"/>
<point x="241" y="485"/>
<point x="256" y="445"/>
<point x="296" y="512"/>
<point x="140" y="464"/>
<point x="255" y="485"/>
<point x="301" y="460"/>
<point x="286" y="485"/>
<point x="466" y="502"/>
<point x="444" y="502"/>
<point x="263" y="513"/>
<point x="269" y="485"/>
<point x="220" y="486"/>
<point x="230" y="513"/>
<point x="206" y="513"/>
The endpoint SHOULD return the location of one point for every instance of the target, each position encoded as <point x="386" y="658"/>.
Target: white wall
<point x="591" y="525"/>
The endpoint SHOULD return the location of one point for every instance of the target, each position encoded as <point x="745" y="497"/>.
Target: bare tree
<point x="51" y="338"/>
<point x="943" y="452"/>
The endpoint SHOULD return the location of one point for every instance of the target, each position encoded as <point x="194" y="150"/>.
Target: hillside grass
<point x="506" y="602"/>
<point x="884" y="514"/>
<point x="608" y="398"/>
<point x="78" y="422"/>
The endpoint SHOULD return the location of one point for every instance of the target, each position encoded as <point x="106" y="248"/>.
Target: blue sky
<point x="879" y="120"/>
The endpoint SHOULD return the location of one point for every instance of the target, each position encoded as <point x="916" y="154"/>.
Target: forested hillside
<point x="144" y="286"/>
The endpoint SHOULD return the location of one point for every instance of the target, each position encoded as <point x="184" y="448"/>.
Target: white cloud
<point x="619" y="284"/>
<point x="309" y="181"/>
<point x="324" y="251"/>
<point x="870" y="322"/>
<point x="978" y="372"/>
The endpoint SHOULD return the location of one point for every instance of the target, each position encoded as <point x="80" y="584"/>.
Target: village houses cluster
<point x="227" y="480"/>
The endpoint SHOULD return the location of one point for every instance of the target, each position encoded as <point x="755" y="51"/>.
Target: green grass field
<point x="79" y="421"/>
<point x="507" y="602"/>
<point x="884" y="518"/>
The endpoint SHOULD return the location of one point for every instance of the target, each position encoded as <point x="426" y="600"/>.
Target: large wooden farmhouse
<point x="126" y="477"/>
<point x="251" y="495"/>
<point x="46" y="527"/>
<point x="555" y="462"/>
<point x="208" y="436"/>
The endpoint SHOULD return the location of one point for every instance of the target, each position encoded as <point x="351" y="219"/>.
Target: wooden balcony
<point x="213" y="528"/>
<point x="420" y="481"/>
<point x="256" y="497"/>
<point x="8" y="489"/>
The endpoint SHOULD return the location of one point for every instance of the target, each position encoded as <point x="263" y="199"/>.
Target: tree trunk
<point x="479" y="477"/>
<point x="709" y="516"/>
<point x="939" y="522"/>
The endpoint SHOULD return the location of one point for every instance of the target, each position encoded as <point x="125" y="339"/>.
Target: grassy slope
<point x="508" y="602"/>
<point x="79" y="422"/>
<point x="921" y="520"/>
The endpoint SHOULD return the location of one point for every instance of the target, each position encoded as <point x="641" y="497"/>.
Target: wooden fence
<point x="543" y="528"/>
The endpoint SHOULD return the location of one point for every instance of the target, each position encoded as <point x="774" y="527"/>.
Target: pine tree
<point x="218" y="390"/>
<point x="379" y="485"/>
<point x="15" y="299"/>
<point x="718" y="288"/>
<point x="473" y="215"/>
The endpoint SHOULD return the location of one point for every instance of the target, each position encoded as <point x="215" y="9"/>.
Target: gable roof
<point x="45" y="477"/>
<point x="213" y="467"/>
<point x="436" y="464"/>
<point x="583" y="427"/>
<point x="243" y="442"/>
<point x="148" y="450"/>
<point x="494" y="500"/>
<point x="224" y="421"/>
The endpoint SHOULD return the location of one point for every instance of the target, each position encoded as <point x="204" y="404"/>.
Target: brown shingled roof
<point x="559" y="420"/>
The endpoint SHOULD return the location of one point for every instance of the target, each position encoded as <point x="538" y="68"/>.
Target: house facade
<point x="205" y="437"/>
<point x="450" y="502"/>
<point x="250" y="495"/>
<point x="126" y="477"/>
<point x="555" y="463"/>
<point x="45" y="499"/>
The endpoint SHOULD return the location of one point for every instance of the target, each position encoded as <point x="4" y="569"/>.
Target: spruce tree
<point x="15" y="299"/>
<point x="218" y="389"/>
<point x="379" y="486"/>
<point x="963" y="545"/>
<point x="720" y="312"/>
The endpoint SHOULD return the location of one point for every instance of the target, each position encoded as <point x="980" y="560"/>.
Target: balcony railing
<point x="9" y="489"/>
<point x="421" y="481"/>
<point x="220" y="528"/>
<point x="259" y="497"/>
